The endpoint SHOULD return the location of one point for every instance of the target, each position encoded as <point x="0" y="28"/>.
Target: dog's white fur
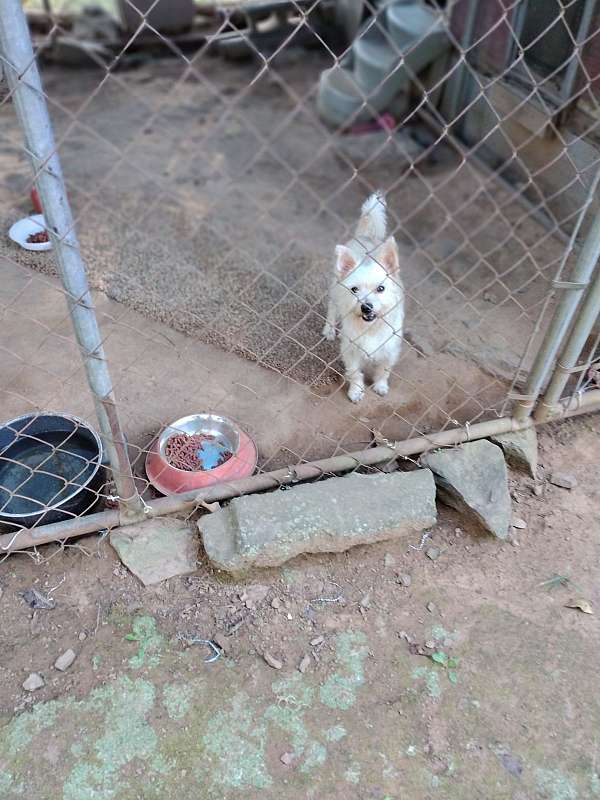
<point x="367" y="273"/>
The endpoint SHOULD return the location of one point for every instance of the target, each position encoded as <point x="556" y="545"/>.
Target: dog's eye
<point x="381" y="288"/>
<point x="354" y="289"/>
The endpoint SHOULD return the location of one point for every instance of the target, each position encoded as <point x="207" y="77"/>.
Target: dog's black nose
<point x="366" y="308"/>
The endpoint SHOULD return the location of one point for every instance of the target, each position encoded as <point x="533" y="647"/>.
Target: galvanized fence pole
<point x="562" y="319"/>
<point x="567" y="361"/>
<point x="23" y="78"/>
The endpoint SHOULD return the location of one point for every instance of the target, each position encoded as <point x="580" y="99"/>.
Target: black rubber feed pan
<point x="50" y="469"/>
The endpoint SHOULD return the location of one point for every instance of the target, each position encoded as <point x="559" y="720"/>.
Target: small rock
<point x="405" y="580"/>
<point x="430" y="644"/>
<point x="286" y="758"/>
<point x="275" y="603"/>
<point x="253" y="595"/>
<point x="82" y="636"/>
<point x="514" y="542"/>
<point x="473" y="479"/>
<point x="156" y="549"/>
<point x="366" y="601"/>
<point x="317" y="641"/>
<point x="304" y="664"/>
<point x="33" y="682"/>
<point x="273" y="662"/>
<point x="432" y="553"/>
<point x="63" y="662"/>
<point x="431" y="607"/>
<point x="36" y="626"/>
<point x="538" y="490"/>
<point x="563" y="480"/>
<point x="37" y="600"/>
<point x="519" y="523"/>
<point x="512" y="764"/>
<point x="388" y="561"/>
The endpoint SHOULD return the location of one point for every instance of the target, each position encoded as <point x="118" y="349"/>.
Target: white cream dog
<point x="367" y="302"/>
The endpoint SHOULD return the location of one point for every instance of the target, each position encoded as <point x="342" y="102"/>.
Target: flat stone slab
<point x="390" y="149"/>
<point x="472" y="478"/>
<point x="520" y="449"/>
<point x="326" y="517"/>
<point x="157" y="549"/>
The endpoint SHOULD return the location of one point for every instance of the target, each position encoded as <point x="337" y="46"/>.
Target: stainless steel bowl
<point x="224" y="431"/>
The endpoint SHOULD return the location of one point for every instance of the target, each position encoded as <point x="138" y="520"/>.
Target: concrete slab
<point x="326" y="517"/>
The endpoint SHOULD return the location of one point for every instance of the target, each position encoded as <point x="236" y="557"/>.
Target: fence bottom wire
<point x="190" y="501"/>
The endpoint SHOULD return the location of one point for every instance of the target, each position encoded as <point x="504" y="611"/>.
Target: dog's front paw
<point x="381" y="388"/>
<point x="329" y="332"/>
<point x="356" y="393"/>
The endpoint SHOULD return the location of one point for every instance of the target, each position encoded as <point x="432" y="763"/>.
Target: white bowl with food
<point x="30" y="233"/>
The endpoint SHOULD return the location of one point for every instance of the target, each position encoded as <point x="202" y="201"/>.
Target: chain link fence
<point x="213" y="157"/>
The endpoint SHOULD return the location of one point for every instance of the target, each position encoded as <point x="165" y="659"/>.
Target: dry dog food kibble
<point x="184" y="451"/>
<point x="38" y="238"/>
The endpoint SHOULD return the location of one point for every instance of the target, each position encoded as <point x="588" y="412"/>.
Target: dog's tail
<point x="373" y="219"/>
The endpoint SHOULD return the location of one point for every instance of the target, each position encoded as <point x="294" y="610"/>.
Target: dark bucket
<point x="50" y="469"/>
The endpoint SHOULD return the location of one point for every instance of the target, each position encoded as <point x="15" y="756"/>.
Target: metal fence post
<point x="567" y="362"/>
<point x="565" y="311"/>
<point x="24" y="81"/>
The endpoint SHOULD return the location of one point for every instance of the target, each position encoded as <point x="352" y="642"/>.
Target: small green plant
<point x="554" y="581"/>
<point x="449" y="664"/>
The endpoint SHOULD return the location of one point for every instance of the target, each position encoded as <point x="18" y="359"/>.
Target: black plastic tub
<point x="50" y="469"/>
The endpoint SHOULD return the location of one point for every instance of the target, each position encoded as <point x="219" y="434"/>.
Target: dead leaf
<point x="210" y="507"/>
<point x="581" y="603"/>
<point x="37" y="600"/>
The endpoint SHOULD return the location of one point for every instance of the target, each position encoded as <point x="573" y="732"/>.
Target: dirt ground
<point x="139" y="715"/>
<point x="212" y="203"/>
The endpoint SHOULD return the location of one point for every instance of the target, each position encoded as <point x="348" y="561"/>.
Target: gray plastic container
<point x="167" y="16"/>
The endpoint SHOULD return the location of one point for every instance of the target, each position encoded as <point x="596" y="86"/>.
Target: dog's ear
<point x="344" y="261"/>
<point x="388" y="256"/>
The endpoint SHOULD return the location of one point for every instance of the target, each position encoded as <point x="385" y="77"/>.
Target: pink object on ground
<point x="385" y="122"/>
<point x="170" y="480"/>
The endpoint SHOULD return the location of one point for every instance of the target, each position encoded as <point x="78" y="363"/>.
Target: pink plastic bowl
<point x="170" y="480"/>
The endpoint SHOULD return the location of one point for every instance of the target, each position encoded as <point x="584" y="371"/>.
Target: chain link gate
<point x="209" y="195"/>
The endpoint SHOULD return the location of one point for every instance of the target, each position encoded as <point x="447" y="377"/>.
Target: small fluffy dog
<point x="367" y="301"/>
